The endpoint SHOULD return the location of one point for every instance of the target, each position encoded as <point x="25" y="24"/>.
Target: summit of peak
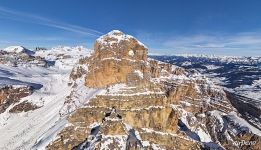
<point x="115" y="37"/>
<point x="14" y="49"/>
<point x="115" y="32"/>
<point x="18" y="50"/>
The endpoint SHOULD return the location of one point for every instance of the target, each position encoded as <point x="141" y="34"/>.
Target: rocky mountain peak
<point x="147" y="104"/>
<point x="116" y="36"/>
<point x="117" y="58"/>
<point x="116" y="44"/>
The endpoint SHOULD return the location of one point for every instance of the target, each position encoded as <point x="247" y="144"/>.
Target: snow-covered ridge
<point x="21" y="56"/>
<point x="211" y="56"/>
<point x="66" y="50"/>
<point x="18" y="49"/>
<point x="64" y="56"/>
<point x="224" y="59"/>
<point x="115" y="37"/>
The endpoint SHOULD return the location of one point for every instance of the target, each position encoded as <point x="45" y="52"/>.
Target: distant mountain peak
<point x="18" y="50"/>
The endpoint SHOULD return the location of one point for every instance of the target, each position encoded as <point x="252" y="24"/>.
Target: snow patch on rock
<point x="131" y="53"/>
<point x="139" y="73"/>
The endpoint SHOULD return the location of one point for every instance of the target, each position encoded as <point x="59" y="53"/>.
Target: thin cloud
<point x="249" y="41"/>
<point x="5" y="42"/>
<point x="25" y="17"/>
<point x="243" y="43"/>
<point x="45" y="38"/>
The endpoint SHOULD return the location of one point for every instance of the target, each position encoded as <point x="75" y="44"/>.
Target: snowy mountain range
<point x="117" y="97"/>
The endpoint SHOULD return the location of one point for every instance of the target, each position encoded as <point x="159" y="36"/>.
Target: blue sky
<point x="221" y="27"/>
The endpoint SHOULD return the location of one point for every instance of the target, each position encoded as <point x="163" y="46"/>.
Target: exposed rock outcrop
<point x="120" y="58"/>
<point x="116" y="57"/>
<point x="23" y="107"/>
<point x="146" y="104"/>
<point x="10" y="95"/>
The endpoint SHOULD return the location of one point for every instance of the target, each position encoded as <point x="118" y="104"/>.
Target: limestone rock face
<point x="120" y="58"/>
<point x="117" y="58"/>
<point x="116" y="44"/>
<point x="146" y="104"/>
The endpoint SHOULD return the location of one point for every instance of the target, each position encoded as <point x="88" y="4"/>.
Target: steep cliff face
<point x="116" y="58"/>
<point x="120" y="58"/>
<point x="146" y="104"/>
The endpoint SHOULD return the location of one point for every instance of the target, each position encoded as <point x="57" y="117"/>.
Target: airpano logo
<point x="243" y="142"/>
